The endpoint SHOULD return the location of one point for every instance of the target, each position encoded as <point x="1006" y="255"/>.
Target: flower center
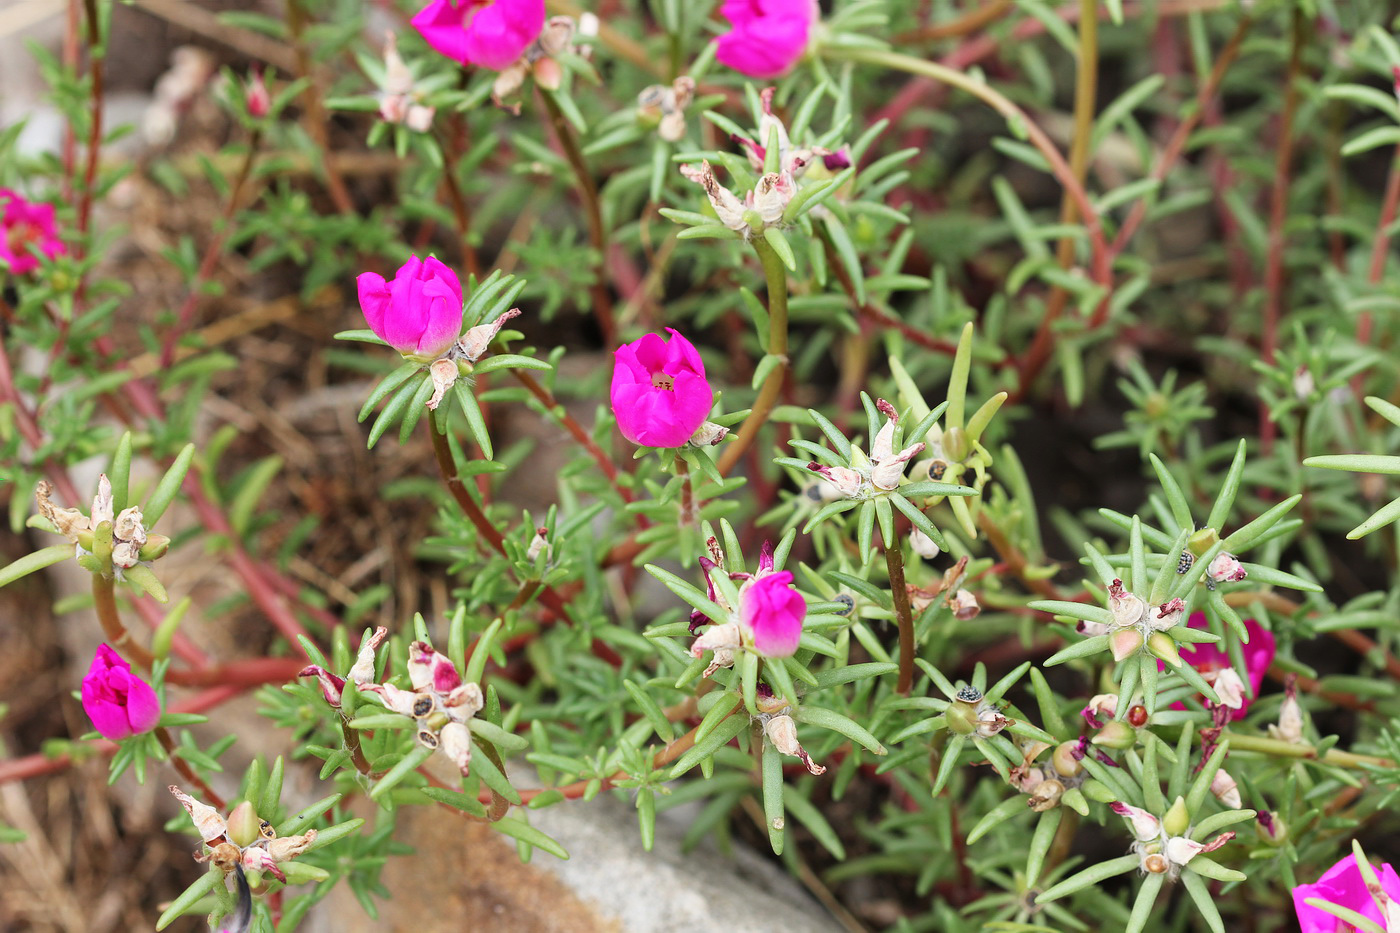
<point x="661" y="380"/>
<point x="21" y="235"/>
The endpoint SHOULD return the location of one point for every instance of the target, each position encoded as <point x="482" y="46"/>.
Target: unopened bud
<point x="1176" y="820"/>
<point x="243" y="825"/>
<point x="923" y="545"/>
<point x="1125" y="643"/>
<point x="1163" y="647"/>
<point x="1116" y="734"/>
<point x="155" y="547"/>
<point x="256" y="97"/>
<point x="1226" y="790"/>
<point x="1064" y="761"/>
<point x="548" y="74"/>
<point x="962" y="718"/>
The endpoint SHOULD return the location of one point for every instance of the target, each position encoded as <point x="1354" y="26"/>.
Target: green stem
<point x="904" y="613"/>
<point x="775" y="273"/>
<point x="1281" y="749"/>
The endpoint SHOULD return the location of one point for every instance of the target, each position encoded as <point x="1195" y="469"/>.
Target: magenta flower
<point x="1344" y="885"/>
<point x="119" y="703"/>
<point x="773" y="611"/>
<point x="659" y="391"/>
<point x="1218" y="671"/>
<point x="768" y="37"/>
<point x="490" y="33"/>
<point x="23" y="224"/>
<point x="419" y="313"/>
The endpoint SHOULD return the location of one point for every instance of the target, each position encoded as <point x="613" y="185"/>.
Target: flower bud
<point x="155" y="547"/>
<point x="548" y="74"/>
<point x="1226" y="568"/>
<point x="256" y="97"/>
<point x="1117" y="734"/>
<point x="1165" y="648"/>
<point x="955" y="444"/>
<point x="962" y="718"/>
<point x="1126" y="642"/>
<point x="923" y="545"/>
<point x="1176" y="820"/>
<point x="1064" y="761"/>
<point x="243" y="825"/>
<point x="1226" y="790"/>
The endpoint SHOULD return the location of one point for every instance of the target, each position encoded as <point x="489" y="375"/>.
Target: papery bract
<point x="490" y="33"/>
<point x="660" y="395"/>
<point x="773" y="612"/>
<point x="119" y="703"/>
<point x="419" y="313"/>
<point x="1343" y="885"/>
<point x="23" y="223"/>
<point x="768" y="36"/>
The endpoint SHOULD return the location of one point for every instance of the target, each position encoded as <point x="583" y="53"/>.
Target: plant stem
<point x="468" y="505"/>
<point x="316" y="120"/>
<point x="597" y="233"/>
<point x="104" y="599"/>
<point x="208" y="793"/>
<point x="1281" y="749"/>
<point x="775" y="274"/>
<point x="904" y="613"/>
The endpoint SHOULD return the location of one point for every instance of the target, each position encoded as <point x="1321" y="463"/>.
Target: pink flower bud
<point x="119" y="703"/>
<point x="768" y="37"/>
<point x="490" y="33"/>
<point x="660" y="395"/>
<point x="256" y="97"/>
<point x="773" y="612"/>
<point x="22" y="226"/>
<point x="1125" y="642"/>
<point x="419" y="313"/>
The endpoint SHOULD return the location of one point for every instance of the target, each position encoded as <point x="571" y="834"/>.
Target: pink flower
<point x="768" y="37"/>
<point x="21" y="225"/>
<point x="659" y="391"/>
<point x="419" y="313"/>
<point x="1344" y="886"/>
<point x="1211" y="661"/>
<point x="481" y="32"/>
<point x="773" y="611"/>
<point x="119" y="703"/>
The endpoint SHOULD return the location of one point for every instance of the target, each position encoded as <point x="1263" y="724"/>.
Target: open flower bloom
<point x="769" y="618"/>
<point x="1345" y="886"/>
<point x="119" y="703"/>
<point x="22" y="226"/>
<point x="490" y="33"/>
<point x="419" y="313"/>
<point x="440" y="703"/>
<point x="1218" y="671"/>
<point x="660" y="395"/>
<point x="768" y="36"/>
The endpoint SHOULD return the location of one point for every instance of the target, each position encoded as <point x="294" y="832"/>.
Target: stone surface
<point x="466" y="876"/>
